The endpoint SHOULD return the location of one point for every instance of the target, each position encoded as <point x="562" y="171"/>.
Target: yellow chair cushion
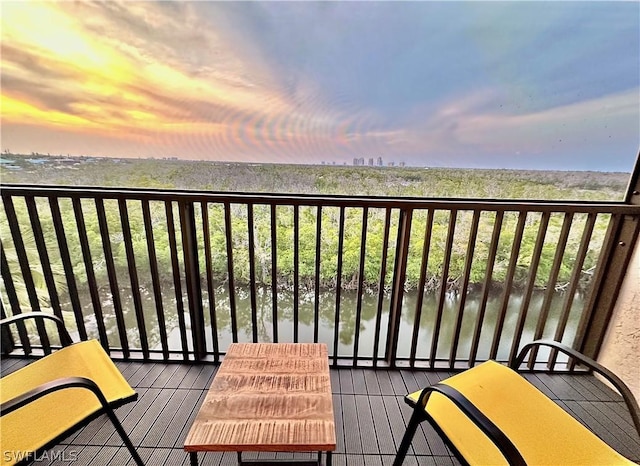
<point x="38" y="423"/>
<point x="543" y="432"/>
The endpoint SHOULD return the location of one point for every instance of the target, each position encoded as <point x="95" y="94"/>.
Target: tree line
<point x="284" y="248"/>
<point x="315" y="180"/>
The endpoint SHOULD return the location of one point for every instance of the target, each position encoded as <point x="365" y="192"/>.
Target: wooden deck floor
<point x="370" y="417"/>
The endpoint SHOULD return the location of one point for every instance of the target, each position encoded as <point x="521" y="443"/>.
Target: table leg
<point x="193" y="456"/>
<point x="328" y="458"/>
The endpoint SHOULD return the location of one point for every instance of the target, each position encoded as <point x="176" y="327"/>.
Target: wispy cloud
<point x="149" y="70"/>
<point x="465" y="130"/>
<point x="303" y="82"/>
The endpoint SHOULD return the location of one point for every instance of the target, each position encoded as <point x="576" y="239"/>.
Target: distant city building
<point x="379" y="161"/>
<point x="401" y="164"/>
<point x="391" y="164"/>
<point x="371" y="161"/>
<point x="361" y="161"/>
<point x="355" y="161"/>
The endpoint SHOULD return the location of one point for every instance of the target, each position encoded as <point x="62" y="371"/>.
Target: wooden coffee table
<point x="267" y="397"/>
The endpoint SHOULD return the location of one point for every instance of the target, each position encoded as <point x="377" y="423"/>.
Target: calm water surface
<point x="347" y="321"/>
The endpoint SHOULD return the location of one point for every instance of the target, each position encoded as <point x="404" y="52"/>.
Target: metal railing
<point x="162" y="274"/>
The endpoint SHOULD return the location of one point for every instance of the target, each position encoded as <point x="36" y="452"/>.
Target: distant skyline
<point x="531" y="85"/>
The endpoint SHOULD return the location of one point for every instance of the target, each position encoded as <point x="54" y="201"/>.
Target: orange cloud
<point x="113" y="70"/>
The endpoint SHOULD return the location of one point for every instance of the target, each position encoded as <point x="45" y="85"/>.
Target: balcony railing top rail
<point x="329" y="200"/>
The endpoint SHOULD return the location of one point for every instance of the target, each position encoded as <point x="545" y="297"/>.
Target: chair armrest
<point x="50" y="387"/>
<point x="499" y="439"/>
<point x="71" y="382"/>
<point x="65" y="339"/>
<point x="629" y="399"/>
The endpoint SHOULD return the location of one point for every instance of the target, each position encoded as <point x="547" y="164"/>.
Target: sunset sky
<point x="549" y="85"/>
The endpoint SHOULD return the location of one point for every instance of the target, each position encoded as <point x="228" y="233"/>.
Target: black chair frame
<point x="64" y="383"/>
<point x="499" y="439"/>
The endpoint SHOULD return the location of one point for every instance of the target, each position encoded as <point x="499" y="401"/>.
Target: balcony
<point x="403" y="291"/>
<point x="170" y="395"/>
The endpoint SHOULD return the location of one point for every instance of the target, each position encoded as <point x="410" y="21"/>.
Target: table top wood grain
<point x="267" y="397"/>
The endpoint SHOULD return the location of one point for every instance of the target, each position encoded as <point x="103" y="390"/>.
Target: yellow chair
<point x="53" y="396"/>
<point x="490" y="415"/>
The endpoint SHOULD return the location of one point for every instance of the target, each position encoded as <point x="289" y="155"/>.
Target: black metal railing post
<point x="424" y="264"/>
<point x="133" y="276"/>
<point x="177" y="283"/>
<point x="230" y="278"/>
<point x="252" y="273"/>
<point x="25" y="267"/>
<point x="206" y="231"/>
<point x="43" y="254"/>
<point x="486" y="286"/>
<point x="381" y="285"/>
<point x="274" y="271"/>
<point x="8" y="344"/>
<point x="65" y="257"/>
<point x="155" y="277"/>
<point x="113" y="277"/>
<point x="192" y="277"/>
<point x="397" y="290"/>
<point x="336" y="325"/>
<point x="14" y="303"/>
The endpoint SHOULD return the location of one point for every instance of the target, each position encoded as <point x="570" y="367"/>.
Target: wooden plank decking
<point x="370" y="417"/>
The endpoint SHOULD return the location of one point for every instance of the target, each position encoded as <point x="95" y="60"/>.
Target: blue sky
<point x="548" y="85"/>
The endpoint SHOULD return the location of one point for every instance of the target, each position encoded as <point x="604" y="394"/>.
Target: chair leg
<point x="125" y="438"/>
<point x="414" y="422"/>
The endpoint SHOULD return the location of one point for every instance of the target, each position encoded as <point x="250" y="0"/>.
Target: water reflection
<point x="347" y="321"/>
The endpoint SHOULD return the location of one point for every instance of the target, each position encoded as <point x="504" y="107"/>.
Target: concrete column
<point x="620" y="350"/>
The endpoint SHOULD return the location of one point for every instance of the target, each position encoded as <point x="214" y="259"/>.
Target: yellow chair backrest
<point x="40" y="422"/>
